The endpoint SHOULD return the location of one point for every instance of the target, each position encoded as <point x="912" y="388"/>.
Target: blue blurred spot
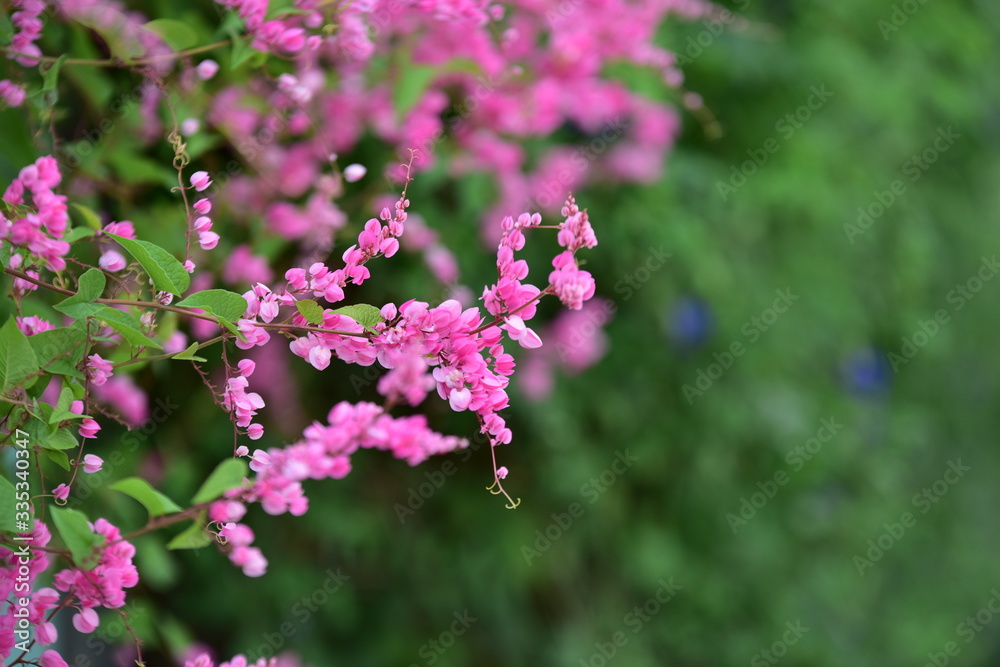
<point x="865" y="371"/>
<point x="690" y="321"/>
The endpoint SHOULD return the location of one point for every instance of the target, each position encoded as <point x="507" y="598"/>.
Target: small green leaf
<point x="222" y="303"/>
<point x="49" y="94"/>
<point x="91" y="219"/>
<point x="177" y="34"/>
<point x="7" y="505"/>
<point x="81" y="541"/>
<point x="155" y="502"/>
<point x="61" y="438"/>
<point x="59" y="457"/>
<point x="362" y="313"/>
<point x="78" y="233"/>
<point x="60" y="350"/>
<point x="413" y="82"/>
<point x="61" y="411"/>
<point x="188" y="354"/>
<point x="90" y="288"/>
<point x="17" y="359"/>
<point x="127" y="325"/>
<point x="229" y="326"/>
<point x="227" y="475"/>
<point x="193" y="537"/>
<point x="167" y="273"/>
<point x="312" y="311"/>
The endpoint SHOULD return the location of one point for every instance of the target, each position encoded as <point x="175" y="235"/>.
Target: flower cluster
<point x="82" y="590"/>
<point x="39" y="224"/>
<point x="286" y="36"/>
<point x="27" y="20"/>
<point x="323" y="453"/>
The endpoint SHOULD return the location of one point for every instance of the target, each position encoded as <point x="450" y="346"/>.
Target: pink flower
<point x="255" y="431"/>
<point x="61" y="492"/>
<point x="86" y="621"/>
<point x="190" y="126"/>
<point x="89" y="429"/>
<point x="208" y="240"/>
<point x="354" y="172"/>
<point x="92" y="463"/>
<point x="98" y="369"/>
<point x="200" y="180"/>
<point x="502" y="472"/>
<point x="124" y="229"/>
<point x="11" y="93"/>
<point x="202" y="206"/>
<point x="46" y="634"/>
<point x="520" y="332"/>
<point x="207" y="69"/>
<point x="112" y="260"/>
<point x="51" y="659"/>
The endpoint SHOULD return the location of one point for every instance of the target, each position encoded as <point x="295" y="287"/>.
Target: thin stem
<point x="158" y="357"/>
<point x="115" y="62"/>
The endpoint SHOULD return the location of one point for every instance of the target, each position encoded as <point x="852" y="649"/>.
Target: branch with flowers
<point x="92" y="298"/>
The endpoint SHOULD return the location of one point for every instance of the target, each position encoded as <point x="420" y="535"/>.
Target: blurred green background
<point x="558" y="581"/>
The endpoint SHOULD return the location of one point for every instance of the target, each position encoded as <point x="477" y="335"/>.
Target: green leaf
<point x="167" y="273"/>
<point x="188" y="354"/>
<point x="60" y="439"/>
<point x="17" y="359"/>
<point x="60" y="350"/>
<point x="219" y="302"/>
<point x="90" y="288"/>
<point x="193" y="537"/>
<point x="312" y="311"/>
<point x="413" y="82"/>
<point x="91" y="219"/>
<point x="125" y="45"/>
<point x="61" y="411"/>
<point x="155" y="502"/>
<point x="127" y="325"/>
<point x="226" y="324"/>
<point x="362" y="313"/>
<point x="177" y="34"/>
<point x="77" y="233"/>
<point x="49" y="94"/>
<point x="59" y="457"/>
<point x="81" y="541"/>
<point x="7" y="504"/>
<point x="227" y="475"/>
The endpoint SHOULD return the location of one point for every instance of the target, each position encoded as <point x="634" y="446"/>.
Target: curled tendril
<point x="181" y="158"/>
<point x="496" y="488"/>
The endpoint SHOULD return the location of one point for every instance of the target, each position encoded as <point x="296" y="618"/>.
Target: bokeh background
<point x="743" y="525"/>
